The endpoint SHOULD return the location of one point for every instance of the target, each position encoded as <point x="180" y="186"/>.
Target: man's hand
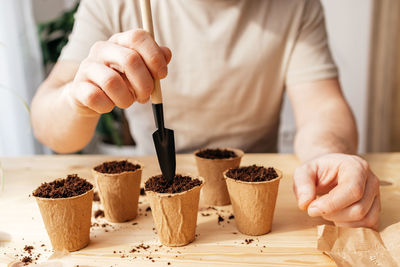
<point x="117" y="72"/>
<point x="348" y="190"/>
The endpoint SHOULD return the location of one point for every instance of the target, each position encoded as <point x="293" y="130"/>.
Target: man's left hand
<point x="348" y="190"/>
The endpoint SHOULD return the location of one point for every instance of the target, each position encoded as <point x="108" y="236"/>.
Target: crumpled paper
<point x="361" y="246"/>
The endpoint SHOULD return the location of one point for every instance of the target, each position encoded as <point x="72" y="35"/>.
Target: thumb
<point x="167" y="53"/>
<point x="304" y="187"/>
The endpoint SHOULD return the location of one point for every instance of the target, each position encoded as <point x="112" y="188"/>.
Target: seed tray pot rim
<point x="66" y="198"/>
<point x="119" y="173"/>
<point x="169" y="195"/>
<point x="279" y="172"/>
<point x="239" y="154"/>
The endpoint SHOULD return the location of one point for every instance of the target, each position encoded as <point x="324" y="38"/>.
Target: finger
<point x="126" y="61"/>
<point x="371" y="220"/>
<point x="111" y="82"/>
<point x="349" y="190"/>
<point x="92" y="97"/>
<point x="128" y="84"/>
<point x="167" y="53"/>
<point x="144" y="44"/>
<point x="358" y="210"/>
<point x="304" y="181"/>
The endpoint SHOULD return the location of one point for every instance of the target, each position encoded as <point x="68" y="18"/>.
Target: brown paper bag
<point x="67" y="220"/>
<point x="214" y="192"/>
<point x="175" y="215"/>
<point x="253" y="204"/>
<point x="119" y="193"/>
<point x="356" y="246"/>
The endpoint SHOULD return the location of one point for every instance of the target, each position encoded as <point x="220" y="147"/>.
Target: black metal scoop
<point x="165" y="144"/>
<point x="163" y="137"/>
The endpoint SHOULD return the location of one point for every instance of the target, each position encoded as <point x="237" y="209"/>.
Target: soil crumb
<point x="26" y="260"/>
<point x="216" y="153"/>
<point x="142" y="191"/>
<point x="252" y="173"/>
<point x="220" y="219"/>
<point x="116" y="167"/>
<point x="180" y="184"/>
<point x="63" y="188"/>
<point x="99" y="213"/>
<point x="96" y="197"/>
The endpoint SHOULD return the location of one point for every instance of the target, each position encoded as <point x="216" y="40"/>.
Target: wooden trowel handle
<point x="147" y="21"/>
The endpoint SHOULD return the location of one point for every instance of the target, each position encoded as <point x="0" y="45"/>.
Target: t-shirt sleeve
<point x="92" y="24"/>
<point x="311" y="58"/>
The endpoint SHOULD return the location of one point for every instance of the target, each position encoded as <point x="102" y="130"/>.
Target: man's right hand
<point x="118" y="72"/>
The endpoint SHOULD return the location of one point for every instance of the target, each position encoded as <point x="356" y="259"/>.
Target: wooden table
<point x="292" y="241"/>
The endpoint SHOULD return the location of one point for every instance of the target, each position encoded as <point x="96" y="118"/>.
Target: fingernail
<point x="314" y="211"/>
<point x="162" y="72"/>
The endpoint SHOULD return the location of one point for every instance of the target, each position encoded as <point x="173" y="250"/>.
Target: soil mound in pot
<point x="252" y="173"/>
<point x="63" y="188"/>
<point x="216" y="153"/>
<point x="180" y="184"/>
<point x="117" y="167"/>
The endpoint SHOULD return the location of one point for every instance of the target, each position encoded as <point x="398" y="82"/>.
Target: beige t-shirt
<point x="231" y="62"/>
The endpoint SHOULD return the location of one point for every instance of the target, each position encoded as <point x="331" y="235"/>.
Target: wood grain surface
<point x="292" y="241"/>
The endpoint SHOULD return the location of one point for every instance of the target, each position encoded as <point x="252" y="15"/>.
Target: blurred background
<point x="364" y="36"/>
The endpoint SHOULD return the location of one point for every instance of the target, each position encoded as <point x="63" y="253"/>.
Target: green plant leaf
<point x="109" y="125"/>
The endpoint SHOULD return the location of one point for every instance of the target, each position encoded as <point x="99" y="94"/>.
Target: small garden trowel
<point x="163" y="138"/>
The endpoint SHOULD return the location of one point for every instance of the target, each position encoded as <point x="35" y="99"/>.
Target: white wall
<point x="45" y="10"/>
<point x="349" y="29"/>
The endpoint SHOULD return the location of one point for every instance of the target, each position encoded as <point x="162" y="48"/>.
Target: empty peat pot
<point x="66" y="208"/>
<point x="174" y="207"/>
<point x="211" y="164"/>
<point x="118" y="183"/>
<point x="253" y="191"/>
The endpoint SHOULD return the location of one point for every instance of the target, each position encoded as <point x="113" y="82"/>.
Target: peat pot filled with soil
<point x="211" y="163"/>
<point x="66" y="208"/>
<point x="253" y="191"/>
<point x="118" y="183"/>
<point x="174" y="206"/>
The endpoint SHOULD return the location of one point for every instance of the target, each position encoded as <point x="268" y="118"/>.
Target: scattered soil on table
<point x="28" y="249"/>
<point x="63" y="188"/>
<point x="248" y="241"/>
<point x="216" y="153"/>
<point x="252" y="173"/>
<point x="26" y="260"/>
<point x="180" y="184"/>
<point x="117" y="167"/>
<point x="99" y="213"/>
<point x="231" y="217"/>
<point x="30" y="258"/>
<point x="96" y="197"/>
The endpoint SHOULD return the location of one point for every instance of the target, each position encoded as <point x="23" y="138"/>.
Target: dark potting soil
<point x="216" y="153"/>
<point x="252" y="173"/>
<point x="63" y="188"/>
<point x="116" y="167"/>
<point x="180" y="184"/>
